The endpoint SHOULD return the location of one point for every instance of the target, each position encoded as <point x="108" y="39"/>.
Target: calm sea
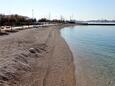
<point x="93" y="48"/>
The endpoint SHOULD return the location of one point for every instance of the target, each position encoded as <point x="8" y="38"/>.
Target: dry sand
<point x="36" y="57"/>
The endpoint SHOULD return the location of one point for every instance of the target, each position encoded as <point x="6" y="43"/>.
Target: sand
<point x="36" y="57"/>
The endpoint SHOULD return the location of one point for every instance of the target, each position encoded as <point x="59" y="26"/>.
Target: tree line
<point x="15" y="20"/>
<point x="18" y="20"/>
<point x="56" y="21"/>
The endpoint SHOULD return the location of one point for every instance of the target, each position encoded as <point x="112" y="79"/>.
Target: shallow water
<point x="94" y="50"/>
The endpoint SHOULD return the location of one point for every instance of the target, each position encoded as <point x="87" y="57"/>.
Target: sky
<point x="76" y="9"/>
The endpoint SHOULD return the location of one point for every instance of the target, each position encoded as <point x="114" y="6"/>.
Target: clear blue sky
<point x="80" y="9"/>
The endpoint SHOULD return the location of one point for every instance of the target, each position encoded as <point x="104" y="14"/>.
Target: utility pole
<point x="71" y="17"/>
<point x="32" y="14"/>
<point x="49" y="16"/>
<point x="61" y="18"/>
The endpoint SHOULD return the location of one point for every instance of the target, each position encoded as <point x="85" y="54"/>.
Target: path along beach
<point x="36" y="57"/>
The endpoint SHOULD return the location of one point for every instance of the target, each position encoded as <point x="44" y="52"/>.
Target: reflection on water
<point x="94" y="50"/>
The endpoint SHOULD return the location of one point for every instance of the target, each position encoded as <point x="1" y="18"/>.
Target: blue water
<point x="93" y="48"/>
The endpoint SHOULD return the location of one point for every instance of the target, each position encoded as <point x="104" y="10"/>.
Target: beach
<point x="36" y="57"/>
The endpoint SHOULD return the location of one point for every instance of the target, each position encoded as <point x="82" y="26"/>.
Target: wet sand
<point x="36" y="57"/>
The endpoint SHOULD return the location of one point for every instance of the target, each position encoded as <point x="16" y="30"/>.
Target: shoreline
<point x="38" y="57"/>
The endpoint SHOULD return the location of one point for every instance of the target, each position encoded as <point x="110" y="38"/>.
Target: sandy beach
<point x="36" y="57"/>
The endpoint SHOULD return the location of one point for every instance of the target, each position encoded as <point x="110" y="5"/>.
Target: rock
<point x="32" y="50"/>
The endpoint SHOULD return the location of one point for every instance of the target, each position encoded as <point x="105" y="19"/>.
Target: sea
<point x="93" y="49"/>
